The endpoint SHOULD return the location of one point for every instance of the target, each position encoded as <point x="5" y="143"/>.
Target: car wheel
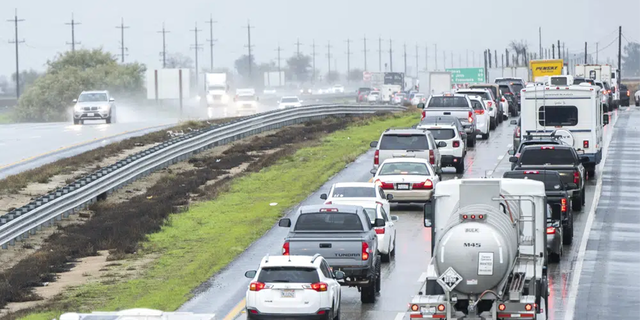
<point x="385" y="257"/>
<point x="76" y="121"/>
<point x="576" y="203"/>
<point x="471" y="141"/>
<point x="337" y="315"/>
<point x="637" y="103"/>
<point x="393" y="251"/>
<point x="554" y="257"/>
<point x="378" y="277"/>
<point x="567" y="234"/>
<point x="460" y="167"/>
<point x="591" y="173"/>
<point x="492" y="124"/>
<point x="368" y="294"/>
<point x="486" y="136"/>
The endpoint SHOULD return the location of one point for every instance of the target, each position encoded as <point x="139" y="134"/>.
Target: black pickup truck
<point x="561" y="158"/>
<point x="557" y="197"/>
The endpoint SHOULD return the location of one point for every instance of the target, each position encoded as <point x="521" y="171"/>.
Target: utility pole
<point x="444" y="59"/>
<point x="496" y="56"/>
<point x="585" y="52"/>
<point x="390" y="55"/>
<point x="436" y="56"/>
<point x="279" y="69"/>
<point x="540" y="40"/>
<point x="405" y="59"/>
<point x="451" y="59"/>
<point x="553" y="51"/>
<point x="196" y="47"/>
<point x="249" y="58"/>
<point x="73" y="25"/>
<point x="313" y="57"/>
<point x="417" y="60"/>
<point x="17" y="42"/>
<point x="559" y="52"/>
<point x="597" y="52"/>
<point x="298" y="47"/>
<point x="379" y="54"/>
<point x="619" y="76"/>
<point x="365" y="52"/>
<point x="348" y="58"/>
<point x="211" y="40"/>
<point x="506" y="54"/>
<point x="122" y="47"/>
<point x="164" y="46"/>
<point x="467" y="58"/>
<point x="328" y="57"/>
<point x="426" y="57"/>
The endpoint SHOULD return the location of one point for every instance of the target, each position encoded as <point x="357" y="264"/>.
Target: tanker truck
<point x="488" y="253"/>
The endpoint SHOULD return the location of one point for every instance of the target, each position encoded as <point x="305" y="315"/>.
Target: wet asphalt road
<point x="402" y="277"/>
<point x="30" y="145"/>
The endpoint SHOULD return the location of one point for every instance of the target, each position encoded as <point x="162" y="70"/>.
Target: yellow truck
<point x="540" y="69"/>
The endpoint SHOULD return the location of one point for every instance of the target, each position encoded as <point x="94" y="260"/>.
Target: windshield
<point x="331" y="221"/>
<point x="505" y="89"/>
<point x="419" y="95"/>
<point x="93" y="97"/>
<point x="559" y="81"/>
<point x="404" y="142"/>
<point x="288" y="274"/>
<point x="492" y="88"/>
<point x="600" y="85"/>
<point x="551" y="182"/>
<point x="290" y="100"/>
<point x="558" y="116"/>
<point x="606" y="85"/>
<point x="539" y="156"/>
<point x="362" y="90"/>
<point x="448" y="102"/>
<point x="442" y="134"/>
<point x="353" y="192"/>
<point x="246" y="98"/>
<point x="217" y="88"/>
<point x="404" y="168"/>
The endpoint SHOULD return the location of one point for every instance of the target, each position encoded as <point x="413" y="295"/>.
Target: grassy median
<point x="196" y="244"/>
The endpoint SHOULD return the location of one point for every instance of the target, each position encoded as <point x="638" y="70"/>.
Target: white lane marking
<point x="500" y="158"/>
<point x="509" y="145"/>
<point x="422" y="277"/>
<point x="399" y="316"/>
<point x="575" y="281"/>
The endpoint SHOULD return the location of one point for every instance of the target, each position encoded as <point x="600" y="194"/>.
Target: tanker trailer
<point x="489" y="257"/>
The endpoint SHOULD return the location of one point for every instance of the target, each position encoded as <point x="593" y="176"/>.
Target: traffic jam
<point x="492" y="238"/>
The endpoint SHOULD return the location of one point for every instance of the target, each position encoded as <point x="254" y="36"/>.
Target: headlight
<point x="77" y="108"/>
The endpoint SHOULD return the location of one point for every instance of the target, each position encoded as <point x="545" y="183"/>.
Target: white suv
<point x="482" y="116"/>
<point x="490" y="104"/>
<point x="293" y="286"/>
<point x="453" y="154"/>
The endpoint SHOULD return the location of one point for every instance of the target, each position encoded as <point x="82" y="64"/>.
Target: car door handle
<point x="325" y="245"/>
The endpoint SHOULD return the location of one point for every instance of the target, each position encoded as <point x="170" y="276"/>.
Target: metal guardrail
<point x="60" y="203"/>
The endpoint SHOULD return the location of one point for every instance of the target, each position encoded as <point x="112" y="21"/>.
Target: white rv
<point x="573" y="111"/>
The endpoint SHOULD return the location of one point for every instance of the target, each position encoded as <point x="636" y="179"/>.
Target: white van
<point x="574" y="111"/>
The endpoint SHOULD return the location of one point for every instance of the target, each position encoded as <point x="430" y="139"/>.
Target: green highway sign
<point x="466" y="75"/>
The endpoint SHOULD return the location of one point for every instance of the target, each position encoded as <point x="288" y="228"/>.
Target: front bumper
<point x="255" y="314"/>
<point x="410" y="195"/>
<point x="91" y="115"/>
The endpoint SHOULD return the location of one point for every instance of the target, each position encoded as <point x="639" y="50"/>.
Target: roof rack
<point x="315" y="256"/>
<point x="393" y="128"/>
<point x="551" y="135"/>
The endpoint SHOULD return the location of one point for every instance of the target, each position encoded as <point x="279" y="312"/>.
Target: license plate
<point x="288" y="293"/>
<point x="90" y="114"/>
<point x="402" y="186"/>
<point x="428" y="310"/>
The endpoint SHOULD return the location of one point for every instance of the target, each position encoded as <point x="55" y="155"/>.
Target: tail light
<point x="551" y="230"/>
<point x="384" y="185"/>
<point x="365" y="251"/>
<point x="547" y="148"/>
<point x="456" y="144"/>
<point x="490" y="103"/>
<point x="328" y="202"/>
<point x="424" y="185"/>
<point x="256" y="286"/>
<point x="531" y="172"/>
<point x="424" y="114"/>
<point x="441" y="307"/>
<point x="518" y="131"/>
<point x="478" y="112"/>
<point x="563" y="205"/>
<point x="432" y="157"/>
<point x="628" y="93"/>
<point x="376" y="157"/>
<point x="470" y="117"/>
<point x="319" y="286"/>
<point x="285" y="249"/>
<point x="585" y="144"/>
<point x="576" y="177"/>
<point x="609" y="91"/>
<point x="503" y="100"/>
<point x="379" y="230"/>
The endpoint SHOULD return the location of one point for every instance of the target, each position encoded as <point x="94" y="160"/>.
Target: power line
<point x="73" y="25"/>
<point x="196" y="46"/>
<point x="211" y="40"/>
<point x="17" y="42"/>
<point x="249" y="46"/>
<point x="122" y="47"/>
<point x="164" y="46"/>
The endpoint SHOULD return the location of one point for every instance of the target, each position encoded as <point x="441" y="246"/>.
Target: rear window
<point x="288" y="274"/>
<point x="483" y="95"/>
<point x="442" y="134"/>
<point x="551" y="182"/>
<point x="477" y="105"/>
<point x="517" y="87"/>
<point x="404" y="168"/>
<point x="505" y="89"/>
<point x="534" y="143"/>
<point x="559" y="81"/>
<point x="448" y="102"/>
<point x="404" y="142"/>
<point x="353" y="192"/>
<point x="438" y="119"/>
<point x="539" y="156"/>
<point x="335" y="221"/>
<point x="558" y="116"/>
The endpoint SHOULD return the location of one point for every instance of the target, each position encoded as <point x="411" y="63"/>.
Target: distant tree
<point x="520" y="48"/>
<point x="242" y="66"/>
<point x="631" y="60"/>
<point x="27" y="78"/>
<point x="4" y="85"/>
<point x="49" y="97"/>
<point x="300" y="67"/>
<point x="178" y="60"/>
<point x="332" y="76"/>
<point x="355" y="75"/>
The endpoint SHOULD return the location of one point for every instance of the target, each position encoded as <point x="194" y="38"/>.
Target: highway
<point x="30" y="145"/>
<point x="402" y="277"/>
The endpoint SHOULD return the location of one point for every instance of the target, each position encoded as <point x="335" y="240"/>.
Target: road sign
<point x="366" y="76"/>
<point x="449" y="279"/>
<point x="466" y="75"/>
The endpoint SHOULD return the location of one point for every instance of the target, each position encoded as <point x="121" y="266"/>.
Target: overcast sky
<point x="453" y="25"/>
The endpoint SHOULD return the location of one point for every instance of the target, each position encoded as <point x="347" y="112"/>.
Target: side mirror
<point x="284" y="222"/>
<point x="250" y="274"/>
<point x="511" y="152"/>
<point x="323" y="196"/>
<point x="112" y="99"/>
<point x="389" y="197"/>
<point x="339" y="275"/>
<point x="75" y="100"/>
<point x="513" y="122"/>
<point x="442" y="144"/>
<point x="395" y="218"/>
<point x="373" y="144"/>
<point x="379" y="222"/>
<point x="421" y="105"/>
<point x="373" y="171"/>
<point x="605" y="119"/>
<point x="513" y="159"/>
<point x="429" y="209"/>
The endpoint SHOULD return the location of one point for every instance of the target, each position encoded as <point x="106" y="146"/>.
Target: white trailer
<point x="217" y="89"/>
<point x="489" y="251"/>
<point x="439" y="82"/>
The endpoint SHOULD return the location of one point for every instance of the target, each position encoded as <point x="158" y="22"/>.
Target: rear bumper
<point x="286" y="316"/>
<point x="410" y="195"/>
<point x="449" y="161"/>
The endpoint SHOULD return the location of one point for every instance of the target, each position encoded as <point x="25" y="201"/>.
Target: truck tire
<point x="378" y="276"/>
<point x="460" y="167"/>
<point x="336" y="316"/>
<point x="576" y="203"/>
<point x="393" y="251"/>
<point x="75" y="121"/>
<point x="492" y="123"/>
<point x="486" y="136"/>
<point x="567" y="234"/>
<point x="368" y="293"/>
<point x="385" y="257"/>
<point x="471" y="141"/>
<point x="591" y="173"/>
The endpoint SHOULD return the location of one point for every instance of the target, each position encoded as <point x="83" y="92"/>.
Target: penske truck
<point x="489" y="254"/>
<point x="542" y="69"/>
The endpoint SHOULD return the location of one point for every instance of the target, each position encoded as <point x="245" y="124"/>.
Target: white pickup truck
<point x="457" y="105"/>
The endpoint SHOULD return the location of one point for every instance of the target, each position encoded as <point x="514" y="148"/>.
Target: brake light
<point x="285" y="248"/>
<point x="432" y="157"/>
<point x="478" y="112"/>
<point x="256" y="286"/>
<point x="576" y="177"/>
<point x="379" y="230"/>
<point x="563" y="205"/>
<point x="424" y="114"/>
<point x="470" y="116"/>
<point x="384" y="185"/>
<point x="376" y="157"/>
<point x="503" y="100"/>
<point x="456" y="144"/>
<point x="547" y="148"/>
<point x="628" y="93"/>
<point x="585" y="144"/>
<point x="551" y="230"/>
<point x="319" y="286"/>
<point x="531" y="172"/>
<point x="365" y="251"/>
<point x="518" y="131"/>
<point x="328" y="202"/>
<point x="490" y="103"/>
<point x="426" y="185"/>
